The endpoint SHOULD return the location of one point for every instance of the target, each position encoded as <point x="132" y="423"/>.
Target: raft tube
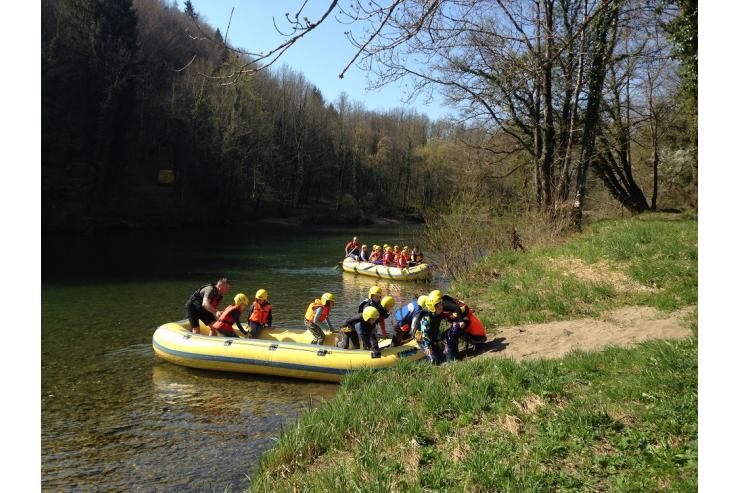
<point x="278" y="351"/>
<point x="417" y="272"/>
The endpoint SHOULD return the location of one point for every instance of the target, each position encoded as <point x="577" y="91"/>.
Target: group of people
<point x="421" y="319"/>
<point x="386" y="255"/>
<point x="203" y="305"/>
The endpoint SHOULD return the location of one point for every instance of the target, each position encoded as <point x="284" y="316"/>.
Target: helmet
<point x="431" y="303"/>
<point x="327" y="297"/>
<point x="364" y="246"/>
<point x="370" y="312"/>
<point x="373" y="291"/>
<point x="388" y="249"/>
<point x="385" y="245"/>
<point x="421" y="301"/>
<point x="434" y="297"/>
<point x="388" y="302"/>
<point x="396" y="247"/>
<point x="241" y="299"/>
<point x="261" y="295"/>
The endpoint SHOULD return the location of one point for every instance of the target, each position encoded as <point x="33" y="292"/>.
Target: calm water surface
<point x="113" y="416"/>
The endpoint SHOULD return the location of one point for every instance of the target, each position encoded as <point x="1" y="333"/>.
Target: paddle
<point x="338" y="264"/>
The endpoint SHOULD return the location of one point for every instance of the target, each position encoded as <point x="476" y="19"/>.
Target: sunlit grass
<point x="616" y="420"/>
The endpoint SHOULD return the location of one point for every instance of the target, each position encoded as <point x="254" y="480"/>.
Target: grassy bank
<point x="621" y="419"/>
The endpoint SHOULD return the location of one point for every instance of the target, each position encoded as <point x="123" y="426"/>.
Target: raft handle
<point x="273" y="347"/>
<point x="187" y="336"/>
<point x="322" y="352"/>
<point x="228" y="342"/>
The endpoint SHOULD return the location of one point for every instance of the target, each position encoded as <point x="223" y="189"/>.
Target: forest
<point x="151" y="120"/>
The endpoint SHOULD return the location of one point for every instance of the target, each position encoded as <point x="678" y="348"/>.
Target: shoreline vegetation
<point x="617" y="419"/>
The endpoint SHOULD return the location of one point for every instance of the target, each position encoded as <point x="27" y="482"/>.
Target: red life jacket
<point x="260" y="313"/>
<point x="311" y="310"/>
<point x="402" y="262"/>
<point x="388" y="258"/>
<point x="227" y="319"/>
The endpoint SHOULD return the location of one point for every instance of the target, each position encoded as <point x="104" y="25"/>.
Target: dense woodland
<point x="557" y="100"/>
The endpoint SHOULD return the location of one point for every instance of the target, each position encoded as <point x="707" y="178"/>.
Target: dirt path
<point x="621" y="327"/>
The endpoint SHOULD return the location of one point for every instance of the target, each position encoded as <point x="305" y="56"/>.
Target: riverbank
<point x="622" y="418"/>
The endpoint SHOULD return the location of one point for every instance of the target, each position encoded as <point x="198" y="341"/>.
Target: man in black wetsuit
<point x="203" y="304"/>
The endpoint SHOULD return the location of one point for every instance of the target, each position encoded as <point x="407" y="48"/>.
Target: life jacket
<point x="388" y="258"/>
<point x="227" y="319"/>
<point x="311" y="310"/>
<point x="260" y="313"/>
<point x="374" y="256"/>
<point x="197" y="297"/>
<point x="402" y="262"/>
<point x="352" y="248"/>
<point x="405" y="314"/>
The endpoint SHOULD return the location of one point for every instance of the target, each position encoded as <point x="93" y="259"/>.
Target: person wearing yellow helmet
<point x="457" y="314"/>
<point x="428" y="334"/>
<point x="260" y="313"/>
<point x="376" y="256"/>
<point x="203" y="304"/>
<point x="388" y="257"/>
<point x="406" y="320"/>
<point x="230" y="317"/>
<point x="373" y="299"/>
<point x="361" y="326"/>
<point x="318" y="313"/>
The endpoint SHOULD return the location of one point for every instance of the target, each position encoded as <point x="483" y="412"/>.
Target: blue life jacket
<point x="406" y="313"/>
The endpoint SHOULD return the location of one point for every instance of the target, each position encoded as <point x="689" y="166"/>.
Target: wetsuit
<point x="365" y="331"/>
<point x="428" y="336"/>
<point x="194" y="305"/>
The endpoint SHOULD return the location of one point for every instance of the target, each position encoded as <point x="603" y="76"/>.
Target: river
<point x="116" y="418"/>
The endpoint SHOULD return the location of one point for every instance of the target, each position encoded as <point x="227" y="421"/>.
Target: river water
<point x="116" y="418"/>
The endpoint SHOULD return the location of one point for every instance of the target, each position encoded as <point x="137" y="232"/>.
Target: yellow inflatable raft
<point x="417" y="272"/>
<point x="278" y="351"/>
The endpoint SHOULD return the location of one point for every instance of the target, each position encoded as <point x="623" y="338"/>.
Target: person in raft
<point x="203" y="304"/>
<point x="230" y="316"/>
<point x="352" y="249"/>
<point x="317" y="313"/>
<point x="364" y="325"/>
<point x="416" y="256"/>
<point x="373" y="299"/>
<point x="376" y="256"/>
<point x="428" y="335"/>
<point x="407" y="320"/>
<point x="260" y="313"/>
<point x="364" y="254"/>
<point x="388" y="257"/>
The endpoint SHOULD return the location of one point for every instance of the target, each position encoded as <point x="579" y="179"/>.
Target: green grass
<point x="619" y="420"/>
<point x="657" y="260"/>
<point x="616" y="420"/>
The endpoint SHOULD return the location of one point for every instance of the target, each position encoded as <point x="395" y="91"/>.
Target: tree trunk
<point x="597" y="73"/>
